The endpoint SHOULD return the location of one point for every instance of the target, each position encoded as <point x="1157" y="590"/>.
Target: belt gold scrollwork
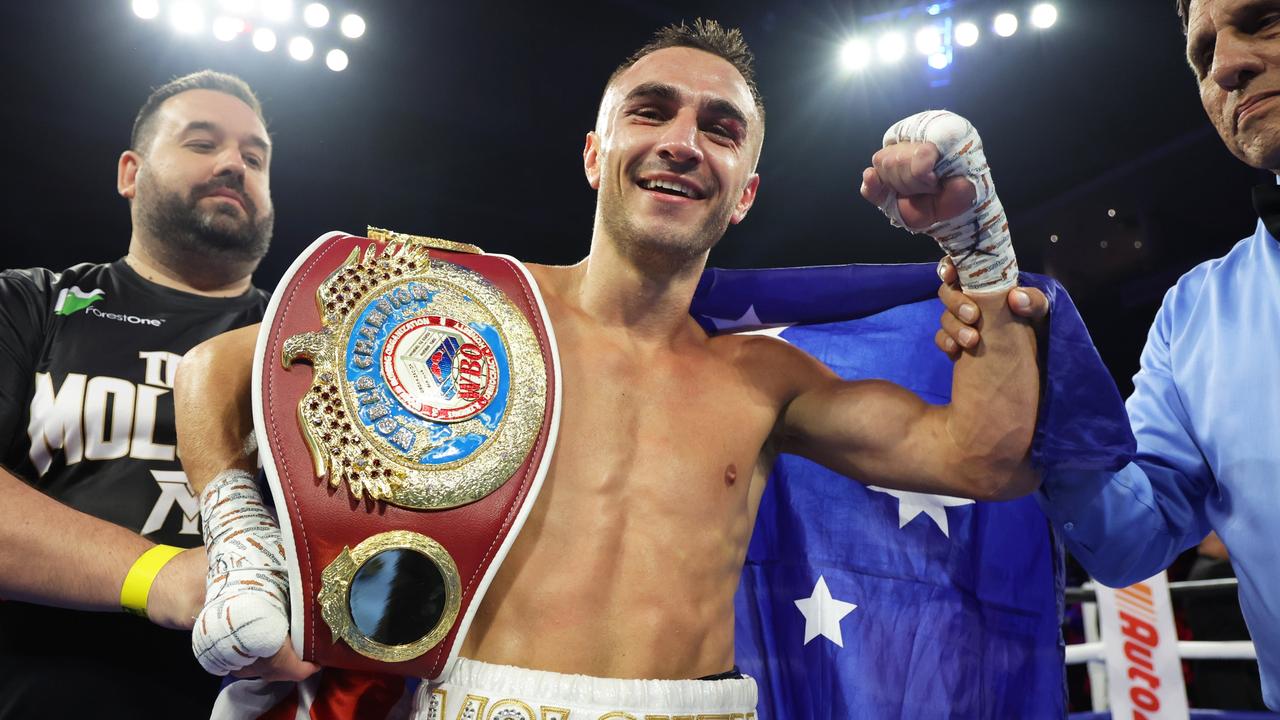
<point x="404" y="462"/>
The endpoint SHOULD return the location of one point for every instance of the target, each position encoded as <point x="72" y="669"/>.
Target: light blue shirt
<point x="1206" y="414"/>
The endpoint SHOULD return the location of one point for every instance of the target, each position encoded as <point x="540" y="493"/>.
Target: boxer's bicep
<point x="875" y="432"/>
<point x="212" y="406"/>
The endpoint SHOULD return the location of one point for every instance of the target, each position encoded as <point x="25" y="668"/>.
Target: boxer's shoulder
<point x="770" y="363"/>
<point x="552" y="280"/>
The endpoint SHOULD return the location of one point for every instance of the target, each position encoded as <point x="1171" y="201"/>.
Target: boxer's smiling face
<point x="1233" y="47"/>
<point x="674" y="152"/>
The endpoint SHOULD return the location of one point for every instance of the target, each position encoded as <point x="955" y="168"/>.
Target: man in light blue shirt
<point x="1206" y="403"/>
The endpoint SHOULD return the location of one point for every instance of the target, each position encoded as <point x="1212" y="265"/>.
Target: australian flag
<point x="861" y="602"/>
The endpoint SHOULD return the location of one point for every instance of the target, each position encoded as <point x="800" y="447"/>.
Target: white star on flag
<point x="749" y="319"/>
<point x="822" y="614"/>
<point x="912" y="504"/>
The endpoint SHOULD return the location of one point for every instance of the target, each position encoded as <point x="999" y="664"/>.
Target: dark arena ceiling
<point x="466" y="121"/>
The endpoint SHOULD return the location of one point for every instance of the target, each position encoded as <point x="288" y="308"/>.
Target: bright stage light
<point x="187" y="16"/>
<point x="336" y="60"/>
<point x="939" y="61"/>
<point x="855" y="54"/>
<point x="301" y="48"/>
<point x="1044" y="15"/>
<point x="1005" y="25"/>
<point x="146" y="9"/>
<point x="966" y="34"/>
<point x="264" y="39"/>
<point x="929" y="40"/>
<point x="241" y="8"/>
<point x="315" y="15"/>
<point x="277" y="10"/>
<point x="891" y="47"/>
<point x="352" y="26"/>
<point x="227" y="28"/>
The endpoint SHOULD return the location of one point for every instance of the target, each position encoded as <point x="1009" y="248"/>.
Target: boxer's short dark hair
<point x="708" y="36"/>
<point x="143" y="125"/>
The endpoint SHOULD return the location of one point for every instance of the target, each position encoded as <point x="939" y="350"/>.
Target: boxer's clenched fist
<point x="933" y="177"/>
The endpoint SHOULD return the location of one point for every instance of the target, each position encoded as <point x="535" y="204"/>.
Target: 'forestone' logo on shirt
<point x="72" y="300"/>
<point x="124" y="318"/>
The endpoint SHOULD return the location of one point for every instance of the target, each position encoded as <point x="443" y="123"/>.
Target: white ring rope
<point x="1187" y="650"/>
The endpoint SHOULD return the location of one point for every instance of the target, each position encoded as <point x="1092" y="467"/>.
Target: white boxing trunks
<point x="481" y="691"/>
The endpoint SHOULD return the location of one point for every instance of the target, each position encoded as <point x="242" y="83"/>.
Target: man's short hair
<point x="1184" y="11"/>
<point x="143" y="125"/>
<point x="708" y="36"/>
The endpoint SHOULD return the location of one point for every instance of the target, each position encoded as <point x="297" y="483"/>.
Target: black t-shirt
<point x="87" y="360"/>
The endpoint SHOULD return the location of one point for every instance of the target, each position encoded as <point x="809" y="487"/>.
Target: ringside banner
<point x="1144" y="674"/>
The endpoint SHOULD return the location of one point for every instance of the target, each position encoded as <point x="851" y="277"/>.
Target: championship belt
<point x="405" y="396"/>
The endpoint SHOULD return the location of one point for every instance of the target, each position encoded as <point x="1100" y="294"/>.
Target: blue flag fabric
<point x="859" y="602"/>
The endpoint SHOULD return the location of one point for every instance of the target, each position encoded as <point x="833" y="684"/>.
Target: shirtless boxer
<point x="628" y="563"/>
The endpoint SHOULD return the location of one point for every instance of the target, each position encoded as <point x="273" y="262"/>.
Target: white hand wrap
<point x="246" y="605"/>
<point x="978" y="239"/>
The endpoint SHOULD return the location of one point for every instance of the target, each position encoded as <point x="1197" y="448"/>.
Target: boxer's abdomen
<point x="630" y="559"/>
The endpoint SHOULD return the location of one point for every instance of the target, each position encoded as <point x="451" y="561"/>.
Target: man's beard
<point x="661" y="249"/>
<point x="218" y="234"/>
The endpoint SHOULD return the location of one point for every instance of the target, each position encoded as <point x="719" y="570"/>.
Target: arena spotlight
<point x="315" y="15"/>
<point x="277" y="10"/>
<point x="264" y="39"/>
<point x="855" y="55"/>
<point x="352" y="25"/>
<point x="939" y="61"/>
<point x="301" y="49"/>
<point x="1005" y="24"/>
<point x="1044" y="15"/>
<point x="929" y="40"/>
<point x="966" y="34"/>
<point x="146" y="9"/>
<point x="891" y="47"/>
<point x="187" y="16"/>
<point x="238" y="7"/>
<point x="336" y="60"/>
<point x="227" y="28"/>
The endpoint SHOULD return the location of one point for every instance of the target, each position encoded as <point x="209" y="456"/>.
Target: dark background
<point x="466" y="121"/>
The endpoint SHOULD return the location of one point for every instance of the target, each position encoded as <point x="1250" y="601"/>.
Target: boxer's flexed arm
<point x="978" y="445"/>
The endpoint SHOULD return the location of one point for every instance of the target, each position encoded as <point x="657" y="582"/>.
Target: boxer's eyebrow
<point x="726" y="109"/>
<point x="656" y="90"/>
<point x="662" y="91"/>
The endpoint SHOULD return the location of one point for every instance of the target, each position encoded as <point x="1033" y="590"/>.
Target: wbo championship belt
<point x="405" y="399"/>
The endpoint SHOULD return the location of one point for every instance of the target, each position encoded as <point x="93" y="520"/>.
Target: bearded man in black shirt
<point x="97" y="510"/>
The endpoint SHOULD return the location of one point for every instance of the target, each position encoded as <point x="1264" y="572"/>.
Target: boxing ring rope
<point x="1187" y="650"/>
<point x="1093" y="650"/>
<point x="1220" y="586"/>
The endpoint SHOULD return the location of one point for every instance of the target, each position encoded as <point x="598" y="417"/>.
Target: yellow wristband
<point x="137" y="584"/>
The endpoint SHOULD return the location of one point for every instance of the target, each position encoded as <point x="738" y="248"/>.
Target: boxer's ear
<point x="747" y="200"/>
<point x="591" y="160"/>
<point x="127" y="174"/>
